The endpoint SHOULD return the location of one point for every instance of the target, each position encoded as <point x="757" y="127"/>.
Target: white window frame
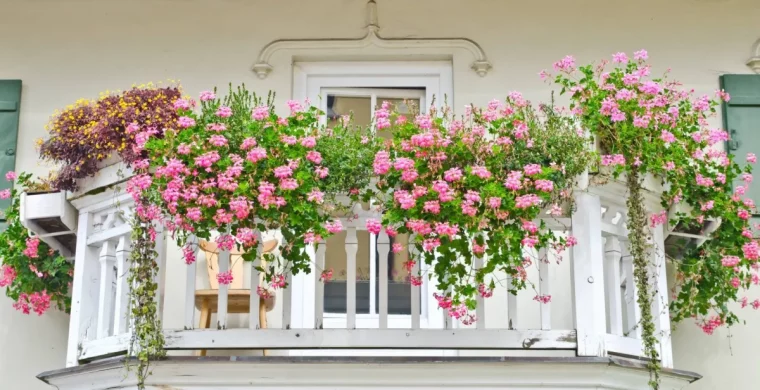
<point x="310" y="81"/>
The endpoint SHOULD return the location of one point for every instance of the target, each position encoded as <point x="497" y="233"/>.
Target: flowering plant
<point x="35" y="275"/>
<point x="348" y="152"/>
<point x="88" y="132"/>
<point x="473" y="187"/>
<point x="652" y="126"/>
<point x="237" y="168"/>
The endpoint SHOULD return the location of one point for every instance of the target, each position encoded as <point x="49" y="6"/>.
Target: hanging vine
<point x="637" y="233"/>
<point x="147" y="343"/>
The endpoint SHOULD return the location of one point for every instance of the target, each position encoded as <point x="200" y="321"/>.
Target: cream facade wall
<point x="69" y="49"/>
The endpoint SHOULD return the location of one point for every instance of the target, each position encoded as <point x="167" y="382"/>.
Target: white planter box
<point x="52" y="218"/>
<point x="112" y="171"/>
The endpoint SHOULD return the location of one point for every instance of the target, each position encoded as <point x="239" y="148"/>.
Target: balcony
<point x="586" y="337"/>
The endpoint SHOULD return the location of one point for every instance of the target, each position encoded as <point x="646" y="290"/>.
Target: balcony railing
<point x="593" y="295"/>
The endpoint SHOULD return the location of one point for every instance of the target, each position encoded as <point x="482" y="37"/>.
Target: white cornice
<point x="754" y="61"/>
<point x="480" y="64"/>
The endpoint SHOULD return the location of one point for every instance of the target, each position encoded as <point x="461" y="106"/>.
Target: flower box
<point x="111" y="171"/>
<point x="50" y="217"/>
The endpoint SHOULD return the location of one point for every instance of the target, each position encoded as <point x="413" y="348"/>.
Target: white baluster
<point x="107" y="261"/>
<point x="352" y="245"/>
<point x="121" y="306"/>
<point x="480" y="310"/>
<point x="661" y="313"/>
<point x="511" y="304"/>
<point x="253" y="315"/>
<point x="221" y="311"/>
<point x="383" y="249"/>
<point x="287" y="301"/>
<point x="588" y="276"/>
<point x="543" y="288"/>
<point x="160" y="277"/>
<point x="612" y="256"/>
<point x="415" y="304"/>
<point x="190" y="286"/>
<point x="632" y="307"/>
<point x="319" y="296"/>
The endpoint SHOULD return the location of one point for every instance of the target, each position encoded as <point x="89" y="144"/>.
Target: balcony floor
<point x="376" y="373"/>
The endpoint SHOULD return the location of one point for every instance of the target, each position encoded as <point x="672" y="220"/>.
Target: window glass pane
<point x="338" y="106"/>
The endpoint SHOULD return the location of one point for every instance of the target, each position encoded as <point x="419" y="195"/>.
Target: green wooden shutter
<point x="741" y="118"/>
<point x="10" y="107"/>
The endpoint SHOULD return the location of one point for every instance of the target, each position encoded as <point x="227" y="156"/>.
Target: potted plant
<point x="36" y="275"/>
<point x="97" y="142"/>
<point x="49" y="216"/>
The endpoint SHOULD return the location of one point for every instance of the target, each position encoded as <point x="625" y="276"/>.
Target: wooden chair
<point x="239" y="298"/>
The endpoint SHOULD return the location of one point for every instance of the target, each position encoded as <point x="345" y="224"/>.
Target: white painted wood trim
<point x="543" y="286"/>
<point x="84" y="298"/>
<point x="190" y="285"/>
<point x="587" y="275"/>
<point x="383" y="249"/>
<point x="661" y="312"/>
<point x="352" y="245"/>
<point x="612" y="256"/>
<point x="106" y="346"/>
<point x="371" y="338"/>
<point x="253" y="312"/>
<point x="223" y="296"/>
<point x="319" y="296"/>
<point x="511" y="306"/>
<point x="381" y="374"/>
<point x="121" y="306"/>
<point x="107" y="260"/>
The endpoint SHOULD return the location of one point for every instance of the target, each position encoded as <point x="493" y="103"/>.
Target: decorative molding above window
<point x="754" y="61"/>
<point x="480" y="64"/>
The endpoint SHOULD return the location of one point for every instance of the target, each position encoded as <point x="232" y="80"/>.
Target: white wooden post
<point x="588" y="276"/>
<point x="661" y="313"/>
<point x="107" y="260"/>
<point x="632" y="307"/>
<point x="352" y="245"/>
<point x="190" y="286"/>
<point x="160" y="277"/>
<point x="612" y="282"/>
<point x="121" y="306"/>
<point x="287" y="301"/>
<point x="543" y="289"/>
<point x="383" y="249"/>
<point x="511" y="305"/>
<point x="221" y="311"/>
<point x="84" y="296"/>
<point x="480" y="310"/>
<point x="415" y="304"/>
<point x="319" y="296"/>
<point x="253" y="315"/>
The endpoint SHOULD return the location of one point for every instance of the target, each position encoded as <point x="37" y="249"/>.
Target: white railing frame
<point x="600" y="269"/>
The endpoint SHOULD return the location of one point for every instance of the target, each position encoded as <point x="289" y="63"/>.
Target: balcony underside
<point x="222" y="373"/>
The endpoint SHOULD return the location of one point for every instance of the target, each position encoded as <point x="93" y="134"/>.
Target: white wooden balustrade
<point x="605" y="313"/>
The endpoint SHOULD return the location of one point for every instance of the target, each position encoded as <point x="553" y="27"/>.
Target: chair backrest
<point x="237" y="266"/>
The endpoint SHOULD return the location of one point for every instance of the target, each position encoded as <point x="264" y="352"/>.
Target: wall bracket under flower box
<point x="52" y="218"/>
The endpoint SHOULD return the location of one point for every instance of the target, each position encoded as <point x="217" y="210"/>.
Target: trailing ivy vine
<point x="147" y="342"/>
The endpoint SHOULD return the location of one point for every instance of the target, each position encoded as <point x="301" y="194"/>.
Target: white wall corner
<point x="392" y="46"/>
<point x="754" y="61"/>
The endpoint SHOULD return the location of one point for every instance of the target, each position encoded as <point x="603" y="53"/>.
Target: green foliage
<point x="33" y="282"/>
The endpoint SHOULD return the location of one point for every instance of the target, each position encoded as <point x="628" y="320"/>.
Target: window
<point x="360" y="88"/>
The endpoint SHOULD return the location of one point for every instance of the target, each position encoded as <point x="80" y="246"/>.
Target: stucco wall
<point x="64" y="50"/>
